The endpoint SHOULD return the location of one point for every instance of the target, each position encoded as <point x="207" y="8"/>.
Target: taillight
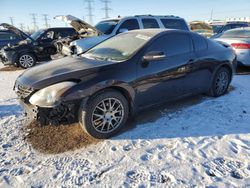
<point x="240" y="46"/>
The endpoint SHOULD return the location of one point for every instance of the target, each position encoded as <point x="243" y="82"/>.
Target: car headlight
<point x="49" y="97"/>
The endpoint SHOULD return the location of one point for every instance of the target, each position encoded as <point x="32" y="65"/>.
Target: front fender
<point x="81" y="90"/>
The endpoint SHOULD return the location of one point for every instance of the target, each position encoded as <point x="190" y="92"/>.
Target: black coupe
<point x="104" y="86"/>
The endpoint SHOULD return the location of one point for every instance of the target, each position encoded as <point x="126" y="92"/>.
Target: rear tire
<point x="26" y="60"/>
<point x="105" y="114"/>
<point x="220" y="82"/>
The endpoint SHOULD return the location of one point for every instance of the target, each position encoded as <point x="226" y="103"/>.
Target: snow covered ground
<point x="197" y="142"/>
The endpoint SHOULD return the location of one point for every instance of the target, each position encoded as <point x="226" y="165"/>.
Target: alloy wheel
<point x="26" y="61"/>
<point x="107" y="115"/>
<point x="221" y="83"/>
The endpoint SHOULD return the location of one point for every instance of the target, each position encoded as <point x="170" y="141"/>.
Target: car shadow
<point x="154" y="123"/>
<point x="242" y="70"/>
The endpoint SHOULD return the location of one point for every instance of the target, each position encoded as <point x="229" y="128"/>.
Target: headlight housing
<point x="49" y="97"/>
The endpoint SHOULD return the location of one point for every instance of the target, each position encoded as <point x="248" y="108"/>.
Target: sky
<point x="20" y="10"/>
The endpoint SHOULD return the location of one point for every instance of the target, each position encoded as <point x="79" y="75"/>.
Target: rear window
<point x="8" y="36"/>
<point x="149" y="23"/>
<point x="174" y="24"/>
<point x="236" y="34"/>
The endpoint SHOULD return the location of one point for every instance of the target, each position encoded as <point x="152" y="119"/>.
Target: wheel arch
<point x="28" y="51"/>
<point x="225" y="65"/>
<point x="228" y="67"/>
<point x="88" y="92"/>
<point x="129" y="95"/>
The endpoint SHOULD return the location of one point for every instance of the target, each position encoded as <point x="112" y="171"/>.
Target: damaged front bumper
<point x="8" y="57"/>
<point x="30" y="111"/>
<point x="65" y="113"/>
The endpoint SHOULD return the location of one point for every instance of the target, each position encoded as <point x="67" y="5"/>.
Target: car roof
<point x="143" y="16"/>
<point x="5" y="31"/>
<point x="154" y="32"/>
<point x="240" y="28"/>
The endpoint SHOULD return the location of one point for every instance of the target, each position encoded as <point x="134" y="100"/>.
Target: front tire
<point x="220" y="82"/>
<point x="26" y="60"/>
<point x="105" y="114"/>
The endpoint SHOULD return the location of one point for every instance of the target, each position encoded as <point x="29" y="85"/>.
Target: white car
<point x="112" y="27"/>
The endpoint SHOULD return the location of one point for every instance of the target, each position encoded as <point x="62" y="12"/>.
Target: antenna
<point x="11" y="20"/>
<point x="46" y="19"/>
<point x="211" y="15"/>
<point x="90" y="9"/>
<point x="106" y="7"/>
<point x="33" y="16"/>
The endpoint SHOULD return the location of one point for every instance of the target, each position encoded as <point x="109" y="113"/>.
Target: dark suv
<point x="37" y="47"/>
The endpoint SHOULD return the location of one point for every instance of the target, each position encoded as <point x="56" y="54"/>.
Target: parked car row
<point x="49" y="43"/>
<point x="46" y="44"/>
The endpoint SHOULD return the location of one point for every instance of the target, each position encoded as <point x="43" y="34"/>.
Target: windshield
<point x="37" y="34"/>
<point x="118" y="48"/>
<point x="243" y="33"/>
<point x="107" y="27"/>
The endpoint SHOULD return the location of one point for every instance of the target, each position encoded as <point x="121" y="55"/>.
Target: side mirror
<point x="154" y="56"/>
<point x="122" y="30"/>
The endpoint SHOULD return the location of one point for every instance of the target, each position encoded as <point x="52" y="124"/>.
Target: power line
<point x="106" y="7"/>
<point x="46" y="19"/>
<point x="33" y="17"/>
<point x="11" y="20"/>
<point x="90" y="10"/>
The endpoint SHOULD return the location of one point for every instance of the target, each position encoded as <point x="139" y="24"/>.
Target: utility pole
<point x="22" y="26"/>
<point x="33" y="17"/>
<point x="90" y="10"/>
<point x="106" y="7"/>
<point x="11" y="20"/>
<point x="46" y="19"/>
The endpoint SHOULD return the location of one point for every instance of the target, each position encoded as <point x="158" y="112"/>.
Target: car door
<point x="163" y="80"/>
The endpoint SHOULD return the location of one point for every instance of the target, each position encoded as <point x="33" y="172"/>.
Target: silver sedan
<point x="239" y="39"/>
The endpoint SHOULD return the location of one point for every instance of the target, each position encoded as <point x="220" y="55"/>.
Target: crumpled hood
<point x="83" y="45"/>
<point x="16" y="31"/>
<point x="68" y="68"/>
<point x="79" y="25"/>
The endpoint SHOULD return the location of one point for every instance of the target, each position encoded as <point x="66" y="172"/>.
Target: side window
<point x="48" y="35"/>
<point x="199" y="42"/>
<point x="8" y="36"/>
<point x="174" y="24"/>
<point x="130" y="24"/>
<point x="149" y="23"/>
<point x="172" y="44"/>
